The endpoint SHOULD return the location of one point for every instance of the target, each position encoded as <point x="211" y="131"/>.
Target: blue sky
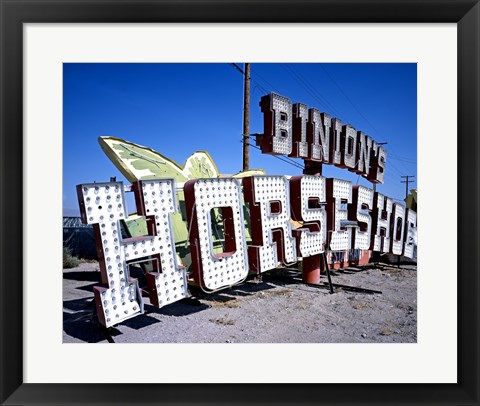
<point x="178" y="109"/>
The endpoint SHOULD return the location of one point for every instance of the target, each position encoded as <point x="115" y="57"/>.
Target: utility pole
<point x="407" y="181"/>
<point x="246" y="117"/>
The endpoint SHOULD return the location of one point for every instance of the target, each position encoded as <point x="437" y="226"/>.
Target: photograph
<point x="237" y="186"/>
<point x="239" y="202"/>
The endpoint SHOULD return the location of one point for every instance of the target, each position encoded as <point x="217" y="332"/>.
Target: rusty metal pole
<point x="311" y="269"/>
<point x="246" y="118"/>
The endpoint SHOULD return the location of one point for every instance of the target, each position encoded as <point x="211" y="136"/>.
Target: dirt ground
<point x="277" y="309"/>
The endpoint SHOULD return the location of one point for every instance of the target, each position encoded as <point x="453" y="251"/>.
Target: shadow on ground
<point x="80" y="321"/>
<point x="88" y="276"/>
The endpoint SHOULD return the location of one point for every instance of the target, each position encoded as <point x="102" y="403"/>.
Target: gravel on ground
<point x="279" y="308"/>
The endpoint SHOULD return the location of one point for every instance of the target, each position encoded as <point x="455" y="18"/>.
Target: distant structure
<point x="78" y="238"/>
<point x="411" y="200"/>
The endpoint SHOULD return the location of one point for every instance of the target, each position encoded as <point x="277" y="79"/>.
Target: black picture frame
<point x="14" y="13"/>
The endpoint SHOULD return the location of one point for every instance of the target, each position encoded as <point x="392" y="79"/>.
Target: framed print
<point x="46" y="47"/>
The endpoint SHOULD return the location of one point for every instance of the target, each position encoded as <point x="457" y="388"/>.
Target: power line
<point x="307" y="85"/>
<point x="264" y="80"/>
<point x="235" y="66"/>
<point x="304" y="82"/>
<point x="312" y="91"/>
<point x="362" y="115"/>
<point x="350" y="101"/>
<point x="297" y="76"/>
<point x="390" y="164"/>
<point x="401" y="159"/>
<point x="281" y="158"/>
<point x="405" y="167"/>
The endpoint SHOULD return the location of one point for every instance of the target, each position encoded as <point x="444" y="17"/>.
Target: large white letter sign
<point x="362" y="203"/>
<point x="102" y="204"/>
<point x="349" y="147"/>
<point x="335" y="142"/>
<point x="381" y="216"/>
<point x="215" y="271"/>
<point x="299" y="131"/>
<point x="398" y="219"/>
<point x="364" y="146"/>
<point x="319" y="143"/>
<point x="339" y="193"/>
<point x="377" y="164"/>
<point x="277" y="125"/>
<point x="272" y="241"/>
<point x="156" y="201"/>
<point x="410" y="233"/>
<point x="307" y="196"/>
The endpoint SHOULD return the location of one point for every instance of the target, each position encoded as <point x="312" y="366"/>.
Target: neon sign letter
<point x="215" y="271"/>
<point x="272" y="241"/>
